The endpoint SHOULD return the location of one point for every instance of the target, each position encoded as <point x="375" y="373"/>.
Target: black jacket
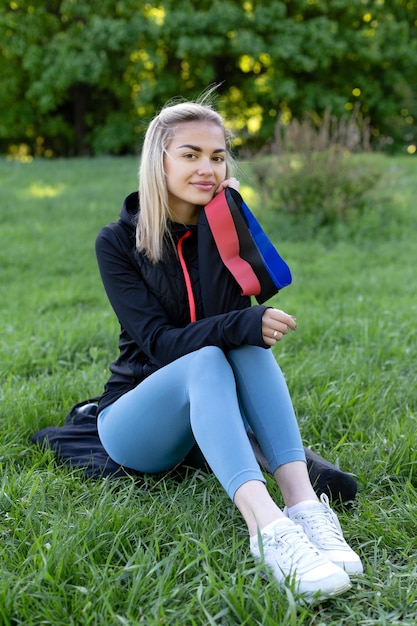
<point x="152" y="304"/>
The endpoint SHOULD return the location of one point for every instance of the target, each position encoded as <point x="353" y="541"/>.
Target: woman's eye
<point x="192" y="157"/>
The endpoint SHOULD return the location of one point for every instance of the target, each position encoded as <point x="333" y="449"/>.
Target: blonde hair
<point x="151" y="230"/>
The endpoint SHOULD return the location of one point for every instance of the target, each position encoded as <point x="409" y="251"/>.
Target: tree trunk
<point x="80" y="95"/>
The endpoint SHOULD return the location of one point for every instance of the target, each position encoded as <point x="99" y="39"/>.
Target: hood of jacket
<point x="212" y="272"/>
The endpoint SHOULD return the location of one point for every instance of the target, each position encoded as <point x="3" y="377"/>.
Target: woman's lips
<point x="204" y="186"/>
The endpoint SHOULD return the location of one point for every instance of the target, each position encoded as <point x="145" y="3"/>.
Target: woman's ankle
<point x="256" y="506"/>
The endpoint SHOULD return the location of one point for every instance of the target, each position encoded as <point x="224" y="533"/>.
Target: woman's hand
<point x="229" y="182"/>
<point x="276" y="324"/>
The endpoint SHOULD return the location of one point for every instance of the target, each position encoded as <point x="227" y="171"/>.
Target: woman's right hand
<point x="276" y="324"/>
<point x="233" y="183"/>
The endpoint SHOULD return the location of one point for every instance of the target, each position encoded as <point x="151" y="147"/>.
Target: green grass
<point x="170" y="551"/>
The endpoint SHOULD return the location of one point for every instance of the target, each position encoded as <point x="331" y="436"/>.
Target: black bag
<point x="325" y="477"/>
<point x="76" y="444"/>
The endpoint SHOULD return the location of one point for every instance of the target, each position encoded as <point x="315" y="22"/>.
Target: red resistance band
<point x="224" y="232"/>
<point x="191" y="301"/>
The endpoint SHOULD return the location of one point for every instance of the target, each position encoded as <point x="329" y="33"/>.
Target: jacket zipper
<point x="191" y="301"/>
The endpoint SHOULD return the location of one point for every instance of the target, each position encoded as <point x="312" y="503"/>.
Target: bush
<point x="309" y="171"/>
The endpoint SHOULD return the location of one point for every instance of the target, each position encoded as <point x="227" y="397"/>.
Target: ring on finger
<point x="275" y="335"/>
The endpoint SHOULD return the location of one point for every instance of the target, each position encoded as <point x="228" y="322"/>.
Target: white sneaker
<point x="295" y="562"/>
<point x="322" y="528"/>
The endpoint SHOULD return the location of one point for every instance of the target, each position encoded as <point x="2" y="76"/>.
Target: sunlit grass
<point x="166" y="550"/>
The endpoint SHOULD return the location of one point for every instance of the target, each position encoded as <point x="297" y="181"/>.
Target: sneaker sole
<point x="320" y="597"/>
<point x="341" y="589"/>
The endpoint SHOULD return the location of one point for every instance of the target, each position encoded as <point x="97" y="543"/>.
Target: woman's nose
<point x="205" y="166"/>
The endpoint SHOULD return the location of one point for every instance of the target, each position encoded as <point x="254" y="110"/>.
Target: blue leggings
<point x="207" y="397"/>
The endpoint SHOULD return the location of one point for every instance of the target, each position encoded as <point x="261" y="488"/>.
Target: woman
<point x="194" y="365"/>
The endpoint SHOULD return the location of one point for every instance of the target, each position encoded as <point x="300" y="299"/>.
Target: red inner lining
<point x="191" y="301"/>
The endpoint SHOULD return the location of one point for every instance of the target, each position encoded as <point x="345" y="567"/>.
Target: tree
<point x="85" y="77"/>
<point x="64" y="65"/>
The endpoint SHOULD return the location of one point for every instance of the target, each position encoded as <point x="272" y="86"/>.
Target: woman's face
<point x="195" y="165"/>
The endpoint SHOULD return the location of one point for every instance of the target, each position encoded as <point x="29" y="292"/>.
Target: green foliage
<point x="70" y="85"/>
<point x="311" y="176"/>
<point x="173" y="550"/>
<point x="82" y="77"/>
<point x="326" y="187"/>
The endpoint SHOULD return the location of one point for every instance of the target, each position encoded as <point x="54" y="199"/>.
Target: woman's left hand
<point x="229" y="182"/>
<point x="276" y="324"/>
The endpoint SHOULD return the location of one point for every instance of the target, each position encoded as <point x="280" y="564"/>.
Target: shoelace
<point x="324" y="526"/>
<point x="295" y="550"/>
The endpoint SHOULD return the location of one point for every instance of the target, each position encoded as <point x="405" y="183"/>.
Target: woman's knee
<point x="209" y="354"/>
<point x="210" y="362"/>
<point x="253" y="359"/>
